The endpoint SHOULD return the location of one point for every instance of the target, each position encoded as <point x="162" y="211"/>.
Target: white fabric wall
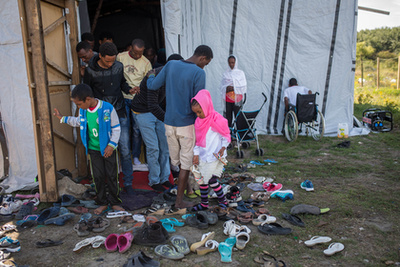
<point x="257" y="46"/>
<point x="15" y="103"/>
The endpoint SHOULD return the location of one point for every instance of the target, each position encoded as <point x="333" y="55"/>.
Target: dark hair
<point x="83" y="45"/>
<point x="203" y="50"/>
<point x="232" y="57"/>
<point x="150" y="51"/>
<point x="174" y="57"/>
<point x="81" y="92"/>
<point x="106" y="35"/>
<point x="108" y="49"/>
<point x="292" y="82"/>
<point x="87" y="36"/>
<point x="139" y="43"/>
<point x="194" y="103"/>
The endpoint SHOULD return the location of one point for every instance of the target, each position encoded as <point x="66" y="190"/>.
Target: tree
<point x="364" y="51"/>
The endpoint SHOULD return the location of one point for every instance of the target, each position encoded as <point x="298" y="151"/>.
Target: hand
<point x="195" y="160"/>
<point x="153" y="71"/>
<point x="108" y="151"/>
<point x="221" y="151"/>
<point x="57" y="114"/>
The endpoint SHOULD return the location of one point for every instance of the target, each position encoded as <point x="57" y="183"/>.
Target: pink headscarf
<point x="212" y="119"/>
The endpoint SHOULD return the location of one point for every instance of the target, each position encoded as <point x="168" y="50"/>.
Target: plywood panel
<point x="63" y="153"/>
<point x="62" y="102"/>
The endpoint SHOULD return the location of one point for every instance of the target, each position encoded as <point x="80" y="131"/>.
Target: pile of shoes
<point x="151" y="233"/>
<point x="202" y="219"/>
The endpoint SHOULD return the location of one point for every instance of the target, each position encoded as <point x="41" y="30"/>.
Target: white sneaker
<point x="136" y="161"/>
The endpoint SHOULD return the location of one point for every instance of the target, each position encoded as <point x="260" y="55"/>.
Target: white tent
<point x="311" y="40"/>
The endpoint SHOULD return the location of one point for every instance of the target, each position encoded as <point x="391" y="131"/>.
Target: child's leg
<point x="99" y="179"/>
<point x="203" y="205"/>
<point x="216" y="186"/>
<point x="111" y="172"/>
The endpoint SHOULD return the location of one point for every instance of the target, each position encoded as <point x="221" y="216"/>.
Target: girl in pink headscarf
<point x="212" y="139"/>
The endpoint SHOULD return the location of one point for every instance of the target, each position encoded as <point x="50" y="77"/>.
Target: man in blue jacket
<point x="182" y="80"/>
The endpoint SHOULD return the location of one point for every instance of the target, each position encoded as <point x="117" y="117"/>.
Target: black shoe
<point x="158" y="187"/>
<point x="167" y="184"/>
<point x="152" y="235"/>
<point x="273" y="229"/>
<point x="198" y="221"/>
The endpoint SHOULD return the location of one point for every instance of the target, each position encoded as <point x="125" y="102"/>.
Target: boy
<point x="100" y="131"/>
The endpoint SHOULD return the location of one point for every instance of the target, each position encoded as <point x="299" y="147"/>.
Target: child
<point x="212" y="138"/>
<point x="100" y="131"/>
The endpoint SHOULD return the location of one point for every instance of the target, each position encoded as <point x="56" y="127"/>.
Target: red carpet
<point x="141" y="181"/>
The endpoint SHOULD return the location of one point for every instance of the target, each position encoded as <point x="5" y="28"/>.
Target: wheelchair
<point x="305" y="113"/>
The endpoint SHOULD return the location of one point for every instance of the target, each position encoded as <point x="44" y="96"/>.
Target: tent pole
<point x="73" y="38"/>
<point x="46" y="161"/>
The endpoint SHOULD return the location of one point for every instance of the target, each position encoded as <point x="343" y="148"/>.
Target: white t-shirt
<point x="291" y="93"/>
<point x="214" y="142"/>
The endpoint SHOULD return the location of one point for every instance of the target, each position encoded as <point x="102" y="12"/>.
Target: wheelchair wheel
<point x="259" y="152"/>
<point x="239" y="154"/>
<point x="291" y="126"/>
<point x="318" y="127"/>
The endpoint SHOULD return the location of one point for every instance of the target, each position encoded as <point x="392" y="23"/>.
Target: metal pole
<point x="362" y="73"/>
<point x="398" y="73"/>
<point x="377" y="72"/>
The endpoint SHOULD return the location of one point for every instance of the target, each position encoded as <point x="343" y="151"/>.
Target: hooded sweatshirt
<point x="107" y="84"/>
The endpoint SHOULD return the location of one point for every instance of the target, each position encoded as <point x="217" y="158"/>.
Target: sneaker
<point x="307" y="185"/>
<point x="136" y="161"/>
<point x="272" y="187"/>
<point x="283" y="194"/>
<point x="152" y="235"/>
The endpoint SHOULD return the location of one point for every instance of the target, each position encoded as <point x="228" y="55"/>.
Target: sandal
<point x="80" y="245"/>
<point x="204" y="239"/>
<point x="117" y="214"/>
<point x="81" y="228"/>
<point x="47" y="243"/>
<point x="210" y="246"/>
<point x="245" y="218"/>
<point x="168" y="252"/>
<point x="180" y="243"/>
<point x="226" y="252"/>
<point x="98" y="224"/>
<point x="175" y="211"/>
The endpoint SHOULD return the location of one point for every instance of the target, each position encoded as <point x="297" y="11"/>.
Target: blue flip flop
<point x="174" y="221"/>
<point x="168" y="226"/>
<point x="226" y="252"/>
<point x="256" y="162"/>
<point x="270" y="161"/>
<point x="231" y="241"/>
<point x="184" y="216"/>
<point x="60" y="220"/>
<point x="47" y="214"/>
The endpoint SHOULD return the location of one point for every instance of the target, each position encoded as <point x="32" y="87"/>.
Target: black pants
<point x="229" y="109"/>
<point x="105" y="178"/>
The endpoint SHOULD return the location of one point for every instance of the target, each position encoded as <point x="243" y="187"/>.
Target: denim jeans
<point x="123" y="147"/>
<point x="136" y="136"/>
<point x="153" y="134"/>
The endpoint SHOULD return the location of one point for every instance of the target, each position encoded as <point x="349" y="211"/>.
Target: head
<point x="196" y="108"/>
<point x="174" y="57"/>
<point x="107" y="54"/>
<point x="137" y="49"/>
<point x="82" y="95"/>
<point x="84" y="51"/>
<point x="150" y="54"/>
<point x="105" y="37"/>
<point x="292" y="82"/>
<point x="231" y="62"/>
<point x="204" y="54"/>
<point x="89" y="38"/>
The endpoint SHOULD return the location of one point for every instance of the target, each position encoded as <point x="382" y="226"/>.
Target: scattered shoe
<point x="242" y="239"/>
<point x="180" y="243"/>
<point x="307" y="209"/>
<point x="272" y="187"/>
<point x="283" y="194"/>
<point x="198" y="220"/>
<point x="111" y="242"/>
<point x="307" y="185"/>
<point x="47" y="243"/>
<point x="264" y="218"/>
<point x="168" y="252"/>
<point x="141" y="259"/>
<point x="273" y="229"/>
<point x="317" y="240"/>
<point x="204" y="238"/>
<point x="293" y="219"/>
<point x="226" y="252"/>
<point x="152" y="235"/>
<point x="333" y="249"/>
<point x="124" y="242"/>
<point x="210" y="246"/>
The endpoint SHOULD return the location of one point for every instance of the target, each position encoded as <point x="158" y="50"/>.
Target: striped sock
<point x="216" y="186"/>
<point x="204" y="198"/>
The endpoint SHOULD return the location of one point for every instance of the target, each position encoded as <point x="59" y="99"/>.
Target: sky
<point x="369" y="20"/>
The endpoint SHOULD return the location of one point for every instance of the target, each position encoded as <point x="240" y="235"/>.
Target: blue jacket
<point x="109" y="128"/>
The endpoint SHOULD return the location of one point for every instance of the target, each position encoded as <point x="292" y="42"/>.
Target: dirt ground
<point x="363" y="230"/>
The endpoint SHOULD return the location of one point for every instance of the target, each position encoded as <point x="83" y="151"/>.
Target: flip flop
<point x="256" y="162"/>
<point x="204" y="238"/>
<point x="195" y="194"/>
<point x="97" y="241"/>
<point x="333" y="248"/>
<point x="174" y="221"/>
<point x="181" y="244"/>
<point x="168" y="252"/>
<point x="81" y="244"/>
<point x="60" y="220"/>
<point x="98" y="224"/>
<point x="168" y="226"/>
<point x="270" y="161"/>
<point x="317" y="240"/>
<point x="226" y="252"/>
<point x="47" y="243"/>
<point x="117" y="214"/>
<point x="293" y="219"/>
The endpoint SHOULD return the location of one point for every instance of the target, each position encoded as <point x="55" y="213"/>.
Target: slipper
<point x="256" y="187"/>
<point x="308" y="209"/>
<point x="210" y="246"/>
<point x="333" y="248"/>
<point x="195" y="194"/>
<point x="256" y="162"/>
<point x="204" y="238"/>
<point x="28" y="224"/>
<point x="141" y="260"/>
<point x="78" y="209"/>
<point x="231" y="228"/>
<point x="47" y="243"/>
<point x="223" y="160"/>
<point x="245" y="218"/>
<point x="226" y="252"/>
<point x="184" y="216"/>
<point x="293" y="219"/>
<point x="175" y="211"/>
<point x="60" y="220"/>
<point x="273" y="229"/>
<point x="90" y="204"/>
<point x="241" y="240"/>
<point x="168" y="226"/>
<point x="317" y="240"/>
<point x="173" y="221"/>
<point x="25" y="210"/>
<point x="81" y="244"/>
<point x="168" y="252"/>
<point x="127" y="219"/>
<point x="111" y="242"/>
<point x="68" y="200"/>
<point x="180" y="243"/>
<point x="264" y="218"/>
<point x="270" y="161"/>
<point x="212" y="217"/>
<point x="139" y="217"/>
<point x="47" y="214"/>
<point x="97" y="241"/>
<point x="124" y="242"/>
<point x="266" y="260"/>
<point x="98" y="224"/>
<point x="82" y="228"/>
<point x="117" y="214"/>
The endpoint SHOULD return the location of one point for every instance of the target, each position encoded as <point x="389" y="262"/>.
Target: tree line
<point x="382" y="43"/>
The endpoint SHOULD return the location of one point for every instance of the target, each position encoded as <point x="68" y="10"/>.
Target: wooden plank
<point x="59" y="3"/>
<point x="58" y="68"/>
<point x="54" y="25"/>
<point x="72" y="19"/>
<point x="47" y="178"/>
<point x="59" y="83"/>
<point x="63" y="137"/>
